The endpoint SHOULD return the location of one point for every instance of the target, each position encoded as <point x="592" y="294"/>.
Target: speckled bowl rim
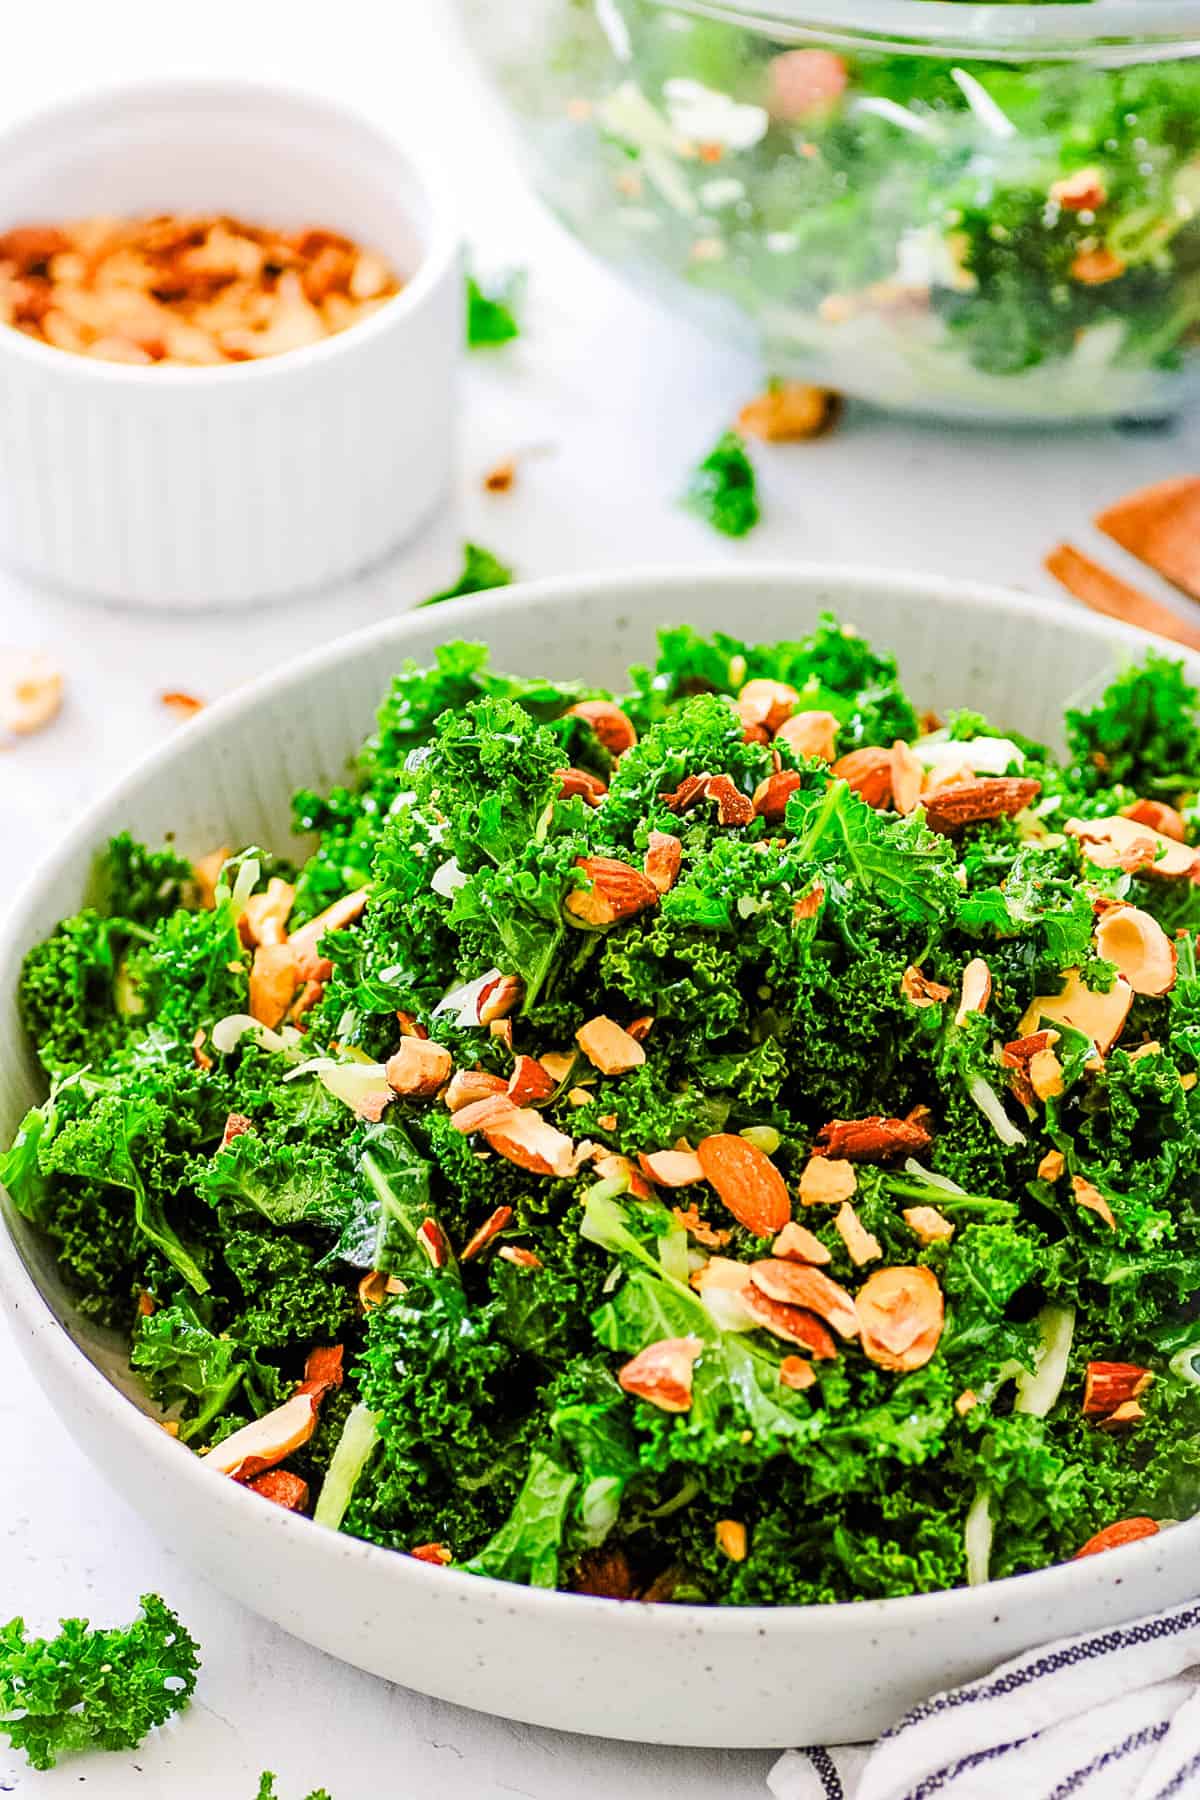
<point x="241" y="1512"/>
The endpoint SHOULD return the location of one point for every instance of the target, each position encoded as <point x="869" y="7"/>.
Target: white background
<point x="620" y="401"/>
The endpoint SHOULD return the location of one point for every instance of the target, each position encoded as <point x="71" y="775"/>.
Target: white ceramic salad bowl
<point x="673" y="1674"/>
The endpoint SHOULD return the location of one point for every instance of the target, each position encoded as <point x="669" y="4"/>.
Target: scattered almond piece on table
<point x="31" y="691"/>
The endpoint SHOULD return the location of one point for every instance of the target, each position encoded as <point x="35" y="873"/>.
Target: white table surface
<point x="622" y="402"/>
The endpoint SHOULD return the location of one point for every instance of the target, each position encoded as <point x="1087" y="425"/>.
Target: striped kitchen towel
<point x="1108" y="1715"/>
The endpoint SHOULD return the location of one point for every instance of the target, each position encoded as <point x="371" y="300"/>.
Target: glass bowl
<point x="986" y="213"/>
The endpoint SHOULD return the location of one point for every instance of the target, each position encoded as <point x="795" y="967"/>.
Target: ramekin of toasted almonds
<point x="189" y="288"/>
<point x="260" y="295"/>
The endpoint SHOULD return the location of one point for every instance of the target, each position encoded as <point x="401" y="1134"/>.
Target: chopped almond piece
<point x="200" y="1055"/>
<point x="440" y="1555"/>
<point x="523" y="1136"/>
<point x="579" y="1096"/>
<point x="469" y="1085"/>
<point x="558" y="1064"/>
<point x="672" y="1168"/>
<point x="1081" y="191"/>
<point x="266" y="1441"/>
<point x="282" y="1488"/>
<point x="790" y="1324"/>
<point x="664" y="855"/>
<point x="772" y="795"/>
<point x="491" y="1228"/>
<point x="1160" y="525"/>
<point x="1051" y="1166"/>
<point x="522" y="1258"/>
<point x="31" y="691"/>
<point x="1117" y="842"/>
<point x="580" y="784"/>
<point x="372" y="1289"/>
<point x="613" y="728"/>
<point x="608" y="1047"/>
<point x="607" y="1122"/>
<point x="731" y="1539"/>
<point x="1128" y="1413"/>
<point x="862" y="1246"/>
<point x="206" y="871"/>
<point x="900" y="1312"/>
<point x="967" y="1401"/>
<point x="1108" y="1385"/>
<point x="810" y="904"/>
<point x="869" y="773"/>
<point x="235" y="1125"/>
<point x="1106" y="593"/>
<point x="324" y="1370"/>
<point x="796" y="1284"/>
<point x="1092" y="1200"/>
<point x="919" y="991"/>
<point x="927" y="1224"/>
<point x="617" y="891"/>
<point x="827" y="1181"/>
<point x="612" y="1166"/>
<point x="794" y="1372"/>
<point x="790" y="412"/>
<point x="640" y="1029"/>
<point x="723" y="1272"/>
<point x="733" y="807"/>
<point x="700" y="1229"/>
<point x="810" y="734"/>
<point x="1095" y="267"/>
<point x="1140" y="948"/>
<point x="662" y="1373"/>
<point x="1125" y="1531"/>
<point x="766" y="703"/>
<point x="1045" y="1075"/>
<point x="907" y="778"/>
<point x="343" y="912"/>
<point x="976" y="990"/>
<point x="418" y="1068"/>
<point x="1158" y="816"/>
<point x="274" y="978"/>
<point x="432" y="1240"/>
<point x="1100" y="1017"/>
<point x="874" y="1139"/>
<point x="797" y="1242"/>
<point x="747" y="1181"/>
<point x="529" y="1081"/>
<point x="498" y="998"/>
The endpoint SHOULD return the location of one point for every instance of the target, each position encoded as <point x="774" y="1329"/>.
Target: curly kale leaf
<point x="287" y="1183"/>
<point x="907" y="869"/>
<point x="93" y="1689"/>
<point x="1143" y="734"/>
<point x="187" y="1365"/>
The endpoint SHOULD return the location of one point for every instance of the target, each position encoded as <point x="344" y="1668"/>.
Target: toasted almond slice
<point x="1116" y="842"/>
<point x="664" y="855"/>
<point x="747" y="1182"/>
<point x="612" y="1166"/>
<point x="498" y="998"/>
<point x="1052" y="1166"/>
<point x="799" y="1244"/>
<point x="282" y="1488"/>
<point x="1108" y="1385"/>
<point x="608" y="1047"/>
<point x="794" y="1372"/>
<point x="919" y="990"/>
<point x="662" y="1373"/>
<point x="440" y="1555"/>
<point x="200" y="1055"/>
<point x="1100" y="1017"/>
<point x="265" y="916"/>
<point x="324" y="1370"/>
<point x="266" y="1441"/>
<point x="31" y="691"/>
<point x="766" y="703"/>
<point x="908" y="777"/>
<point x="488" y="1110"/>
<point x="873" y="1139"/>
<point x="700" y="1229"/>
<point x="809" y="905"/>
<point x="431" y="1239"/>
<point x="470" y="1085"/>
<point x="1160" y="525"/>
<point x="672" y="1168"/>
<point x="731" y="1539"/>
<point x="1158" y="816"/>
<point x="343" y="912"/>
<point x="1093" y="268"/>
<point x="869" y="773"/>
<point x="1091" y="1199"/>
<point x="1045" y="1074"/>
<point x="1098" y="588"/>
<point x="927" y="1224"/>
<point x="967" y="1401"/>
<point x="274" y="978"/>
<point x="976" y="990"/>
<point x="1128" y="1413"/>
<point x="529" y="1081"/>
<point x="1140" y="948"/>
<point x="723" y="1272"/>
<point x="614" y="730"/>
<point x="733" y="807"/>
<point x="617" y="891"/>
<point x="796" y="1284"/>
<point x="491" y="1228"/>
<point x="862" y="1246"/>
<point x="523" y="1136"/>
<point x="419" y="1067"/>
<point x="772" y="795"/>
<point x="1125" y="1531"/>
<point x="519" y="1256"/>
<point x="827" y="1181"/>
<point x="810" y="734"/>
<point x="580" y="784"/>
<point x="790" y="1324"/>
<point x="900" y="1313"/>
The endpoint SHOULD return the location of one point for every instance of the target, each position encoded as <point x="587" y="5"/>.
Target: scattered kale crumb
<point x="268" y="1791"/>
<point x="493" y="311"/>
<point x="481" y="571"/>
<point x="723" y="490"/>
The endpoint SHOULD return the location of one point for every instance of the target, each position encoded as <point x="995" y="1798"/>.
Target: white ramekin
<point x="184" y="487"/>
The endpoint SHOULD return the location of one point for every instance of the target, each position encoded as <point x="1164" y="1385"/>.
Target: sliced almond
<point x="498" y="998"/>
<point x="733" y="807"/>
<point x="908" y="775"/>
<point x="1093" y="268"/>
<point x="419" y="1067"/>
<point x="617" y="891"/>
<point x="274" y="978"/>
<point x="699" y="1228"/>
<point x="640" y="1029"/>
<point x="343" y="912"/>
<point x="266" y="1441"/>
<point x="1158" y="816"/>
<point x="523" y="1136"/>
<point x="919" y="990"/>
<point x="1083" y="190"/>
<point x="282" y="1488"/>
<point x="1100" y="1017"/>
<point x="1088" y="1195"/>
<point x="470" y="1085"/>
<point x="529" y="1081"/>
<point x="1052" y="1166"/>
<point x="869" y="773"/>
<point x="1160" y="525"/>
<point x="1140" y="948"/>
<point x="440" y="1555"/>
<point x="747" y="1182"/>
<point x="672" y="1168"/>
<point x="772" y="795"/>
<point x="491" y="1228"/>
<point x="874" y="1139"/>
<point x="1045" y="1075"/>
<point x="766" y="703"/>
<point x="662" y="1373"/>
<point x="809" y="905"/>
<point x="265" y="916"/>
<point x="614" y="730"/>
<point x="976" y="990"/>
<point x="608" y="1047"/>
<point x="519" y="1256"/>
<point x="827" y="1181"/>
<point x="732" y="1540"/>
<point x="796" y="1284"/>
<point x="790" y="1324"/>
<point x="723" y="1272"/>
<point x="927" y="1224"/>
<point x="810" y="734"/>
<point x="799" y="1244"/>
<point x="580" y="784"/>
<point x="900" y="1314"/>
<point x="862" y="1246"/>
<point x="794" y="1372"/>
<point x="664" y="855"/>
<point x="431" y="1239"/>
<point x="200" y="1055"/>
<point x="1116" y="842"/>
<point x="612" y="1166"/>
<point x="967" y="1401"/>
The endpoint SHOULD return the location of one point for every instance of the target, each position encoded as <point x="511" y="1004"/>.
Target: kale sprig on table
<point x="731" y="1141"/>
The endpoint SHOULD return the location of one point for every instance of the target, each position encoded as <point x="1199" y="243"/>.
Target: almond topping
<point x="927" y="1224"/>
<point x="343" y="912"/>
<point x="578" y="784"/>
<point x="200" y="1055"/>
<point x="1045" y="1074"/>
<point x="672" y="1168"/>
<point x="608" y="1047"/>
<point x="664" y="854"/>
<point x="440" y="1555"/>
<point x="772" y="795"/>
<point x="640" y="1029"/>
<point x="529" y="1081"/>
<point x="282" y="1488"/>
<point x="609" y="723"/>
<point x="1100" y="1017"/>
<point x="791" y="1324"/>
<point x="733" y="807"/>
<point x="862" y="1246"/>
<point x="612" y="1166"/>
<point x="767" y="703"/>
<point x="617" y="891"/>
<point x="809" y="905"/>
<point x="799" y="1244"/>
<point x="794" y="1372"/>
<point x="1095" y="267"/>
<point x="699" y="1228"/>
<point x="810" y="734"/>
<point x="1158" y="816"/>
<point x="274" y="979"/>
<point x="827" y="1181"/>
<point x="419" y="1067"/>
<point x="967" y="1401"/>
<point x="907" y="778"/>
<point x="491" y="1228"/>
<point x="1092" y="1200"/>
<point x="470" y="1085"/>
<point x="501" y="996"/>
<point x="967" y="802"/>
<point x="235" y="1125"/>
<point x="796" y="1284"/>
<point x="900" y="1313"/>
<point x="520" y="1257"/>
<point x="874" y="1139"/>
<point x="1116" y="842"/>
<point x="869" y="773"/>
<point x="1125" y="1531"/>
<point x="747" y="1182"/>
<point x="1051" y="1166"/>
<point x="266" y="1441"/>
<point x="265" y="916"/>
<point x="524" y="1137"/>
<point x="1108" y="1385"/>
<point x="1081" y="191"/>
<point x="919" y="990"/>
<point x="1140" y="948"/>
<point x="976" y="990"/>
<point x="432" y="1240"/>
<point x="731" y="1539"/>
<point x="31" y="692"/>
<point x="789" y="412"/>
<point x="662" y="1373"/>
<point x="1128" y="1413"/>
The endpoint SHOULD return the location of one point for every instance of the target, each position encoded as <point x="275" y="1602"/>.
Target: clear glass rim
<point x="975" y="29"/>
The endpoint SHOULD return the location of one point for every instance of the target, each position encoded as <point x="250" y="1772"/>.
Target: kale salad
<point x="1008" y="228"/>
<point x="733" y="1141"/>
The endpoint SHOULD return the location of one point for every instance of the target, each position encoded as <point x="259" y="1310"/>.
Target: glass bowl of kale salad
<point x="983" y="213"/>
